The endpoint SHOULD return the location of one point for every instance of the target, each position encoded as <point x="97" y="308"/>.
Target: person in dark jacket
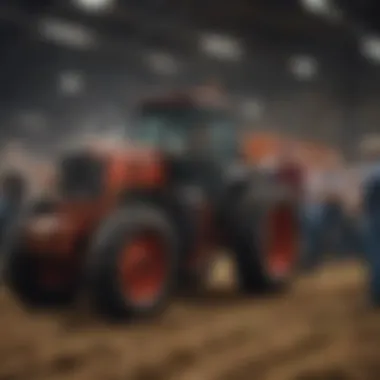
<point x="12" y="195"/>
<point x="369" y="178"/>
<point x="326" y="225"/>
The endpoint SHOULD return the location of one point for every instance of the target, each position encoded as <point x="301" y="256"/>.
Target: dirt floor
<point x="322" y="330"/>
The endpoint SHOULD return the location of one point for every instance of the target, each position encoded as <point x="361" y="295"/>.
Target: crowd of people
<point x="340" y="209"/>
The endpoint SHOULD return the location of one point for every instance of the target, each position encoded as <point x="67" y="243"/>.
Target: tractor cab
<point x="198" y="138"/>
<point x="186" y="125"/>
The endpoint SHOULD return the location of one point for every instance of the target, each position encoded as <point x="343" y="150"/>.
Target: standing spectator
<point x="286" y="167"/>
<point x="290" y="169"/>
<point x="324" y="220"/>
<point x="12" y="195"/>
<point x="333" y="218"/>
<point x="311" y="214"/>
<point x="369" y="177"/>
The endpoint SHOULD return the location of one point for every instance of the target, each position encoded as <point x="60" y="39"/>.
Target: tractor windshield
<point x="183" y="129"/>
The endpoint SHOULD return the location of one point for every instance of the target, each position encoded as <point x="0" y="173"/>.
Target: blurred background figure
<point x="13" y="190"/>
<point x="334" y="221"/>
<point x="369" y="176"/>
<point x="311" y="216"/>
<point x="268" y="164"/>
<point x="290" y="168"/>
<point x="326" y="226"/>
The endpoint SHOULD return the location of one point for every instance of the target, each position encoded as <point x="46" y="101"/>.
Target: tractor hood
<point x="124" y="166"/>
<point x="104" y="150"/>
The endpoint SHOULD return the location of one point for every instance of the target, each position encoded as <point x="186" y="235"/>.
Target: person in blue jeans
<point x="325" y="231"/>
<point x="326" y="228"/>
<point x="311" y="217"/>
<point x="369" y="176"/>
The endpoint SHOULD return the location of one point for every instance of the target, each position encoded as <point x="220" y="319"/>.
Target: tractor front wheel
<point x="133" y="263"/>
<point x="37" y="281"/>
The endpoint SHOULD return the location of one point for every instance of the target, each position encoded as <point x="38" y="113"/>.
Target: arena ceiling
<point x="94" y="33"/>
<point x="364" y="13"/>
<point x="325" y="21"/>
<point x="246" y="18"/>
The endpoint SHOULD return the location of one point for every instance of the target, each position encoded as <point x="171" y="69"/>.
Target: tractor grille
<point x="81" y="176"/>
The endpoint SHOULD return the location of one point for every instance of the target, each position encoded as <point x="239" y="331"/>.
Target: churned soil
<point x="322" y="329"/>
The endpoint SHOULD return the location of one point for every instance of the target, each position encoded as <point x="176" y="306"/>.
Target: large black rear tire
<point x="265" y="224"/>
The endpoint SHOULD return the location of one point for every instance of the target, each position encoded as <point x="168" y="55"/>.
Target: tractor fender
<point x="238" y="190"/>
<point x="179" y="211"/>
<point x="254" y="189"/>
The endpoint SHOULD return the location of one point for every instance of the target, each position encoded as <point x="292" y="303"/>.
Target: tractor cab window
<point x="184" y="129"/>
<point x="166" y="129"/>
<point x="222" y="134"/>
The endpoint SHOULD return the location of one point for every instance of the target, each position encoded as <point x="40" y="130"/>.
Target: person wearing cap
<point x="368" y="176"/>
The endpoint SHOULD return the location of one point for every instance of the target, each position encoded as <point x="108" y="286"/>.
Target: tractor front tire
<point x="22" y="275"/>
<point x="23" y="269"/>
<point x="133" y="263"/>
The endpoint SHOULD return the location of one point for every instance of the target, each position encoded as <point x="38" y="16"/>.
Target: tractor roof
<point x="198" y="98"/>
<point x="175" y="99"/>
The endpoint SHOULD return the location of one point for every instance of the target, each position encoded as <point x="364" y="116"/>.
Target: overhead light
<point x="71" y="83"/>
<point x="66" y="33"/>
<point x="221" y="47"/>
<point x="325" y="8"/>
<point x="370" y="48"/>
<point x="316" y="6"/>
<point x="94" y="5"/>
<point x="162" y="63"/>
<point x="303" y="67"/>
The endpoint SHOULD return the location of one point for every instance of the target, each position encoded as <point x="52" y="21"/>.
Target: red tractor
<point x="130" y="227"/>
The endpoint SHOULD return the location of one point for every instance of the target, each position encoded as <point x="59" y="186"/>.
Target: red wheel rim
<point x="283" y="241"/>
<point x="143" y="268"/>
